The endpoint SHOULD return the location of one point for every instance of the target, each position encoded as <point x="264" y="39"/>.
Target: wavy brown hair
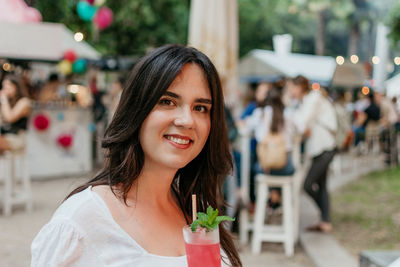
<point x="205" y="174"/>
<point x="303" y="82"/>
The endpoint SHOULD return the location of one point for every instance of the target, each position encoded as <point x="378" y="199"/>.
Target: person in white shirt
<point x="273" y="117"/>
<point x="316" y="119"/>
<point x="167" y="141"/>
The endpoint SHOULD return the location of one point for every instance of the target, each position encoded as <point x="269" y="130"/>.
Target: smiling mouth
<point x="177" y="140"/>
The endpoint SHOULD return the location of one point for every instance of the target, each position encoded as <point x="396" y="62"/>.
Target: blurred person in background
<point x="316" y="120"/>
<point x="397" y="109"/>
<point x="388" y="120"/>
<point x="15" y="109"/>
<point x="260" y="94"/>
<point x="369" y="119"/>
<point x="111" y="99"/>
<point x="49" y="92"/>
<point x="272" y="117"/>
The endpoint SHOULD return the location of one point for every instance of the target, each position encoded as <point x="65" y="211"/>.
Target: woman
<point x="15" y="109"/>
<point x="316" y="119"/>
<point x="273" y="118"/>
<point x="165" y="143"/>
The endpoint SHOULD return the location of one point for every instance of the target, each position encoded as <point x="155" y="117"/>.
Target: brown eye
<point x="202" y="109"/>
<point x="166" y="102"/>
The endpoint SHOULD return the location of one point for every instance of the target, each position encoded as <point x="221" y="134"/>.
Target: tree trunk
<point x="354" y="39"/>
<point x="320" y="38"/>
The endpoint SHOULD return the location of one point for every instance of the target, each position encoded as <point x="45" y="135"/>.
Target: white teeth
<point x="178" y="140"/>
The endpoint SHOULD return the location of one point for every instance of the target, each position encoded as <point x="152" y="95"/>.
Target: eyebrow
<point x="198" y="100"/>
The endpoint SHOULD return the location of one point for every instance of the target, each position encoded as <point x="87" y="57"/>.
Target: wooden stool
<point x="16" y="181"/>
<point x="287" y="232"/>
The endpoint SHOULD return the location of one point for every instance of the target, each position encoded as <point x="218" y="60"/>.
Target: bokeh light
<point x="397" y="61"/>
<point x="78" y="36"/>
<point x="365" y="90"/>
<point x="375" y="60"/>
<point x="315" y="86"/>
<point x="339" y="60"/>
<point x="6" y="67"/>
<point x="354" y="59"/>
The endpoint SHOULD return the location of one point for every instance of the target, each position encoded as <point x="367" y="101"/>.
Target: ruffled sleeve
<point x="58" y="243"/>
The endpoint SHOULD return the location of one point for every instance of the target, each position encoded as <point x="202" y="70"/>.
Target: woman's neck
<point x="153" y="186"/>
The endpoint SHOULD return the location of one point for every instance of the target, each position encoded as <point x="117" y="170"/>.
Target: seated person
<point x="274" y="118"/>
<point x="15" y="109"/>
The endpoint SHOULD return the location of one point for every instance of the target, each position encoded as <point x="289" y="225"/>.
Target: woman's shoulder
<point x="24" y="100"/>
<point x="24" y="103"/>
<point x="79" y="207"/>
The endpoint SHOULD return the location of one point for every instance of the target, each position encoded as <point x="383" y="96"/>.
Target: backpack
<point x="343" y="135"/>
<point x="271" y="151"/>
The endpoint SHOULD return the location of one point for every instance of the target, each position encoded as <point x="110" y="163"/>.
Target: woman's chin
<point x="177" y="163"/>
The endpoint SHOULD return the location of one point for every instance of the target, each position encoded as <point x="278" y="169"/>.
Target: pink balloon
<point x="103" y="17"/>
<point x="32" y="15"/>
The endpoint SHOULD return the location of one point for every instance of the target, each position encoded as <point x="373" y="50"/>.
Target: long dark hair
<point x="20" y="89"/>
<point x="274" y="99"/>
<point x="205" y="174"/>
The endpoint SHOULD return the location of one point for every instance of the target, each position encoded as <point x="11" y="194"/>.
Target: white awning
<point x="263" y="64"/>
<point x="40" y="41"/>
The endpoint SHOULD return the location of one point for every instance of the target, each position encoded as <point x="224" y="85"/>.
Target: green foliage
<point x="142" y="24"/>
<point x="260" y="20"/>
<point x="138" y="24"/>
<point x="393" y="22"/>
<point x="209" y="220"/>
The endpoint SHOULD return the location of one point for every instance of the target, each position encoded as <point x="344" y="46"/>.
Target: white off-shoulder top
<point x="82" y="232"/>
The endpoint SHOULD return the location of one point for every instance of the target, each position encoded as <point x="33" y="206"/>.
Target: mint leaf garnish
<point x="209" y="220"/>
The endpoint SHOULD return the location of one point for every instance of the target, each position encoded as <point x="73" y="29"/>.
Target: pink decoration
<point x="41" y="122"/>
<point x="103" y="17"/>
<point x="90" y="1"/>
<point x="17" y="11"/>
<point x="65" y="140"/>
<point x="70" y="55"/>
<point x="32" y="15"/>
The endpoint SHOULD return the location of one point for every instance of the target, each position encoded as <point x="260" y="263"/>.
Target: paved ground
<point x="18" y="230"/>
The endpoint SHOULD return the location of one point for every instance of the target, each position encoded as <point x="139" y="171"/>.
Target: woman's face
<point x="295" y="91"/>
<point x="261" y="92"/>
<point x="8" y="88"/>
<point x="177" y="128"/>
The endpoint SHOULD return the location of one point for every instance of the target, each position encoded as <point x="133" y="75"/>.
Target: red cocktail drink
<point x="202" y="247"/>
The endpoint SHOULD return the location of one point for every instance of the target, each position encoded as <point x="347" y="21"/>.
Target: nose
<point x="184" y="118"/>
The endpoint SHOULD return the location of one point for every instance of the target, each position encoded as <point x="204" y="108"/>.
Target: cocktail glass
<point x="202" y="247"/>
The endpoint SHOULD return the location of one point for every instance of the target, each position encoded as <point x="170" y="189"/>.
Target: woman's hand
<point x="3" y="98"/>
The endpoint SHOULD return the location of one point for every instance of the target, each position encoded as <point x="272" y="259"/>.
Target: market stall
<point x="59" y="140"/>
<point x="60" y="133"/>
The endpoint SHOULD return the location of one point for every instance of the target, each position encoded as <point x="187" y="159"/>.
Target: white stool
<point x="287" y="233"/>
<point x="16" y="181"/>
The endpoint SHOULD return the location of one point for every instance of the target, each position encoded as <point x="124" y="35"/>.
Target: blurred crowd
<point x="324" y="122"/>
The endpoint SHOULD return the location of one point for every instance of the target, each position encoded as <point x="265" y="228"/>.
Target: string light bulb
<point x="354" y="59"/>
<point x="339" y="60"/>
<point x="375" y="60"/>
